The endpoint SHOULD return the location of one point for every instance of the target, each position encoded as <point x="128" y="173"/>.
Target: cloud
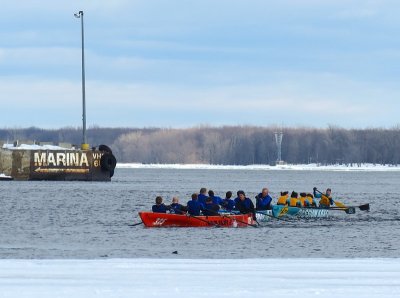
<point x="171" y="62"/>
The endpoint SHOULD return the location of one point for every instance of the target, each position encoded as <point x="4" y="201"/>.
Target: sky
<point x="150" y="63"/>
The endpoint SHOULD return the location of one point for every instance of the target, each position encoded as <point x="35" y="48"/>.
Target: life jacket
<point x="310" y="201"/>
<point x="282" y="200"/>
<point x="303" y="201"/>
<point x="325" y="201"/>
<point x="294" y="202"/>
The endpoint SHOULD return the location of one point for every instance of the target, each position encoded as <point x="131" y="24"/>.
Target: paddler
<point x="293" y="201"/>
<point x="177" y="208"/>
<point x="244" y="205"/>
<point x="216" y="199"/>
<point x="282" y="200"/>
<point x="325" y="199"/>
<point x="311" y="200"/>
<point x="303" y="200"/>
<point x="228" y="204"/>
<point x="159" y="207"/>
<point x="194" y="206"/>
<point x="210" y="208"/>
<point x="263" y="200"/>
<point x="202" y="196"/>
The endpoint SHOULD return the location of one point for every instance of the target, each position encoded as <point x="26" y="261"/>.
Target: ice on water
<point x="200" y="278"/>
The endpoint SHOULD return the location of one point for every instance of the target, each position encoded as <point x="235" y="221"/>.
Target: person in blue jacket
<point x="216" y="200"/>
<point x="227" y="203"/>
<point x="194" y="206"/>
<point x="263" y="200"/>
<point x="159" y="207"/>
<point x="245" y="205"/>
<point x="177" y="208"/>
<point x="210" y="208"/>
<point x="202" y="196"/>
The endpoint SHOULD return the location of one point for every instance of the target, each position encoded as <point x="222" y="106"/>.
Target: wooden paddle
<point x="364" y="207"/>
<point x="348" y="210"/>
<point x="136" y="224"/>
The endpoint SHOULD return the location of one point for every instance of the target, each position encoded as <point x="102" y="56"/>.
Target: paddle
<point x="136" y="224"/>
<point x="348" y="210"/>
<point x="364" y="207"/>
<point x="226" y="216"/>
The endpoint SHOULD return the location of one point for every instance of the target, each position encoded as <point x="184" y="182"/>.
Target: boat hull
<point x="57" y="165"/>
<point x="279" y="211"/>
<point x="151" y="219"/>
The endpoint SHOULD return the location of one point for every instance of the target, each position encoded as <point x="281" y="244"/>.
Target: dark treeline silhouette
<point x="241" y="145"/>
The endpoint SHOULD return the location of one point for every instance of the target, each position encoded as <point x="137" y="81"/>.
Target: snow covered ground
<point x="200" y="278"/>
<point x="305" y="167"/>
<point x="33" y="147"/>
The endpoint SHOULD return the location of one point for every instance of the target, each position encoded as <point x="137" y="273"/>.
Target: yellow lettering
<point x="39" y="160"/>
<point x="51" y="159"/>
<point x="84" y="159"/>
<point x="60" y="158"/>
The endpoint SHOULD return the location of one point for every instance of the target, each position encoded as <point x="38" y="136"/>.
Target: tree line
<point x="231" y="145"/>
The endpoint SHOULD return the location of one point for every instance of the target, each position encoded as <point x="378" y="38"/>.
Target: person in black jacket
<point x="159" y="207"/>
<point x="244" y="205"/>
<point x="177" y="208"/>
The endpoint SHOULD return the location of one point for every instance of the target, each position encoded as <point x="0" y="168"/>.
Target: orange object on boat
<point x="151" y="219"/>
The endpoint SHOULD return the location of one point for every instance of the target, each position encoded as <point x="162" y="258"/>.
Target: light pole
<point x="85" y="145"/>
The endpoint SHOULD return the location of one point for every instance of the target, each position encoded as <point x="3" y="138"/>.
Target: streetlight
<point x="85" y="145"/>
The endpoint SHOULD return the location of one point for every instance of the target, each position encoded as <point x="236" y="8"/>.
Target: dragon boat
<point x="151" y="219"/>
<point x="297" y="212"/>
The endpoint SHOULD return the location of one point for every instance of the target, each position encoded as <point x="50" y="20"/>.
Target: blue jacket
<point x="194" y="207"/>
<point x="177" y="208"/>
<point x="263" y="203"/>
<point x="211" y="209"/>
<point x="202" y="198"/>
<point x="159" y="208"/>
<point x="228" y="204"/>
<point x="216" y="200"/>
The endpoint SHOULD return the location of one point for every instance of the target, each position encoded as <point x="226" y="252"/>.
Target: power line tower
<point x="278" y="141"/>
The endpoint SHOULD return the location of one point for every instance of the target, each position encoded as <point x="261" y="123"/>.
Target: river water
<point x="93" y="219"/>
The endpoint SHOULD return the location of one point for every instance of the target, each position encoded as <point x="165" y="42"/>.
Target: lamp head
<point x="79" y="14"/>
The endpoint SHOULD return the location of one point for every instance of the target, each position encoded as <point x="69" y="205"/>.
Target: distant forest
<point x="231" y="145"/>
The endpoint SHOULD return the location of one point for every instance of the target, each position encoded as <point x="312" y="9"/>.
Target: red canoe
<point x="151" y="219"/>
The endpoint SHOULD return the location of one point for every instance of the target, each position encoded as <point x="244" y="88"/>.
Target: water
<point x="92" y="220"/>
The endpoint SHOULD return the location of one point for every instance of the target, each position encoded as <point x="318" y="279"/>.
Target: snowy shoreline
<point x="200" y="278"/>
<point x="287" y="167"/>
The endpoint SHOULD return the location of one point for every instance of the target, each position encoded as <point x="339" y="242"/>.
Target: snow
<point x="200" y="278"/>
<point x="33" y="147"/>
<point x="299" y="167"/>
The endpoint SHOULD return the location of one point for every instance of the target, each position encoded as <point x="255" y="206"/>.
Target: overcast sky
<point x="210" y="62"/>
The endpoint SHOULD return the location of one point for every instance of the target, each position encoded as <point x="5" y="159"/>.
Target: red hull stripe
<point x="151" y="219"/>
